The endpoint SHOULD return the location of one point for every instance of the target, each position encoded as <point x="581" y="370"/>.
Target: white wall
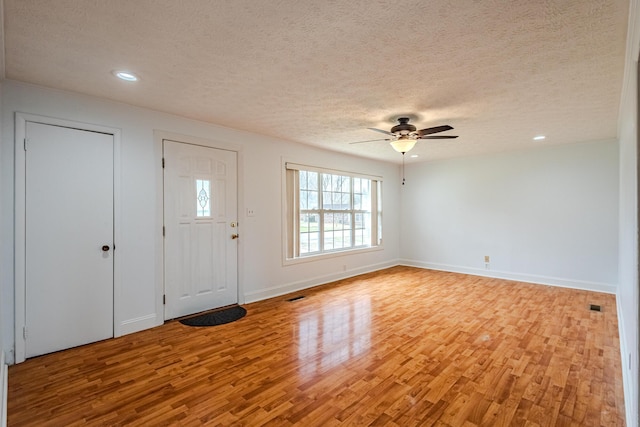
<point x="628" y="289"/>
<point x="548" y="215"/>
<point x="628" y="300"/>
<point x="139" y="217"/>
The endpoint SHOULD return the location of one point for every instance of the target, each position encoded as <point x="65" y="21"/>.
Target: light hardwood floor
<point x="399" y="347"/>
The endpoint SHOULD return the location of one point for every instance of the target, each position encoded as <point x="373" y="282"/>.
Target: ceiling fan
<point x="403" y="136"/>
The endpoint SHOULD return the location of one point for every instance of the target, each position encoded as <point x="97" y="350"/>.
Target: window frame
<point x="292" y="213"/>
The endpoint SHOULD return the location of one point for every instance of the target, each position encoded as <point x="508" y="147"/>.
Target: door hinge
<point x="163" y="163"/>
<point x="163" y="231"/>
<point x="164" y="299"/>
<point x="25" y="144"/>
<point x="24" y="332"/>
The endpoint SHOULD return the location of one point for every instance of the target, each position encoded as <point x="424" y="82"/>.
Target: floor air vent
<point x="594" y="307"/>
<point x="295" y="298"/>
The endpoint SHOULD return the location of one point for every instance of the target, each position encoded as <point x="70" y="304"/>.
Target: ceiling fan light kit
<point x="403" y="144"/>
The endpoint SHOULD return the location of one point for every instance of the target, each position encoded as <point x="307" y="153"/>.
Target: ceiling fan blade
<point x="439" y="137"/>
<point x="370" y="140"/>
<point x="429" y="131"/>
<point x="381" y="131"/>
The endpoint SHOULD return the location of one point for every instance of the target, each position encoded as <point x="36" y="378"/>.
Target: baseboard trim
<point x="288" y="288"/>
<point x="4" y="377"/>
<point x="138" y="324"/>
<point x="276" y="291"/>
<point x="519" y="277"/>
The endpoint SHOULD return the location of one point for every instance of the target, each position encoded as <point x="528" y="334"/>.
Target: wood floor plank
<point x="399" y="347"/>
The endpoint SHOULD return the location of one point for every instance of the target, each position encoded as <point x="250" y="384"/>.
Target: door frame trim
<point x="159" y="136"/>
<point x="21" y="120"/>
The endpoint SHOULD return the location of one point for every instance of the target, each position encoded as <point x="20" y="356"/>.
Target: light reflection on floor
<point x="342" y="331"/>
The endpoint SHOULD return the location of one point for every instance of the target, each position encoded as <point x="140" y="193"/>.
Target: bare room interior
<point x="419" y="213"/>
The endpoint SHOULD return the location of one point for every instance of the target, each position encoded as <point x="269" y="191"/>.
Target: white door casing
<point x="200" y="219"/>
<point x="69" y="218"/>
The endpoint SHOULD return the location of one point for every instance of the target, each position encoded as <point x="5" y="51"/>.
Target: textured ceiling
<point x="322" y="72"/>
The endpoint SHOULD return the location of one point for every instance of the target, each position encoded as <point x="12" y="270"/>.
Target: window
<point x="331" y="211"/>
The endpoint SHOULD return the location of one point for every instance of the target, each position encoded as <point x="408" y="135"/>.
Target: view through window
<point x="332" y="211"/>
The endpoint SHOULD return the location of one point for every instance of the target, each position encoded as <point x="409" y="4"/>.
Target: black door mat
<point x="214" y="318"/>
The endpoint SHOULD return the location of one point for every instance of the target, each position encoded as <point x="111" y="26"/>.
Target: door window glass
<point x="203" y="197"/>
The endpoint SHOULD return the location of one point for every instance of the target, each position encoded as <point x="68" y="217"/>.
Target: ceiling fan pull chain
<point x="402" y="168"/>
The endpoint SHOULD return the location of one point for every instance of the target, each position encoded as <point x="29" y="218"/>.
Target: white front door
<point x="69" y="238"/>
<point x="200" y="218"/>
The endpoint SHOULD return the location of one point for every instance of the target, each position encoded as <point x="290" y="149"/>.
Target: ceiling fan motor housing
<point x="404" y="128"/>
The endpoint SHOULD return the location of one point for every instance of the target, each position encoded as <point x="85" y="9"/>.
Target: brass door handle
<point x="234" y="236"/>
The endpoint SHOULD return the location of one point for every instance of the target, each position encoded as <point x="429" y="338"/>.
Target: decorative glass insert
<point x="203" y="197"/>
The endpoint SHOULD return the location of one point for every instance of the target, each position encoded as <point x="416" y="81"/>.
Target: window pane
<point x="337" y="201"/>
<point x="308" y="200"/>
<point x="366" y="186"/>
<point x="303" y="179"/>
<point x="308" y="190"/>
<point x="312" y="201"/>
<point x="346" y="184"/>
<point x="312" y="183"/>
<point x="326" y="182"/>
<point x="308" y="180"/>
<point x="346" y="201"/>
<point x="347" y="238"/>
<point x="314" y="242"/>
<point x="336" y="193"/>
<point x="304" y="195"/>
<point x="203" y="198"/>
<point x="337" y="231"/>
<point x="328" y="231"/>
<point x="357" y="184"/>
<point x="335" y="183"/>
<point x="327" y="202"/>
<point x="309" y="233"/>
<point x="362" y="229"/>
<point x="364" y="195"/>
<point x="365" y="203"/>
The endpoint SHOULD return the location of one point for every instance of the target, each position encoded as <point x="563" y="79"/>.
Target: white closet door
<point x="69" y="238"/>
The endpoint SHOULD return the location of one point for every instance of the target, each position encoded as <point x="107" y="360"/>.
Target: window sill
<point x="328" y="255"/>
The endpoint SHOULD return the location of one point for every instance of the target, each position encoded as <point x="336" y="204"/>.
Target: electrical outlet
<point x="487" y="258"/>
<point x="251" y="212"/>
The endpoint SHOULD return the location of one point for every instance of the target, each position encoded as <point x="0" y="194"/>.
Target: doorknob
<point x="234" y="236"/>
<point x="105" y="248"/>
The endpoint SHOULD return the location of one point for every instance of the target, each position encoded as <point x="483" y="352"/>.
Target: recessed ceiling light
<point x="539" y="138"/>
<point x="414" y="155"/>
<point x="126" y="75"/>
